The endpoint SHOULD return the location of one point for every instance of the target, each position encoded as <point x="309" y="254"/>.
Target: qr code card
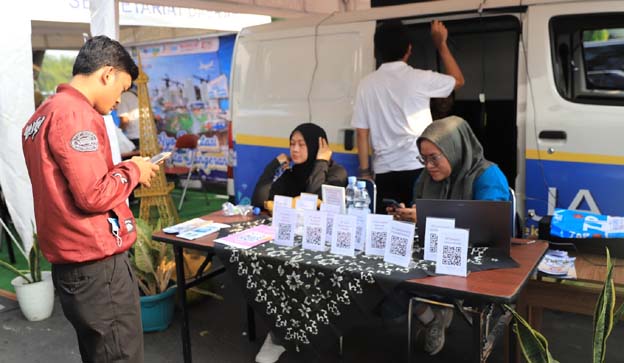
<point x="432" y="226"/>
<point x="284" y="224"/>
<point x="343" y="235"/>
<point x="400" y="243"/>
<point x="452" y="255"/>
<point x="314" y="225"/>
<point x="377" y="231"/>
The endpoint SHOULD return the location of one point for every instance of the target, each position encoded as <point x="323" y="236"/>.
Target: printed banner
<point x="188" y="87"/>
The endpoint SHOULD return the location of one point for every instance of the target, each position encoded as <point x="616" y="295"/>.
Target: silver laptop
<point x="489" y="222"/>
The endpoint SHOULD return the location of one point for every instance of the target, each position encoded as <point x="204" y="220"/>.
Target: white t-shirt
<point x="129" y="107"/>
<point x="393" y="103"/>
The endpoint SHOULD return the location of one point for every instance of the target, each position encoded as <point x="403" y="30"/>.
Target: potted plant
<point x="153" y="265"/>
<point x="33" y="288"/>
<point x="534" y="346"/>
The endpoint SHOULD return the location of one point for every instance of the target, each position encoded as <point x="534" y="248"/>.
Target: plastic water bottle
<point x="350" y="191"/>
<point x="362" y="199"/>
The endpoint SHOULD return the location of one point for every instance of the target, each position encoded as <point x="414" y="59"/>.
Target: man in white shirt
<point x="128" y="111"/>
<point x="392" y="108"/>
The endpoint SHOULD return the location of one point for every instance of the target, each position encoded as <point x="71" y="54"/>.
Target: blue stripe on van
<point x="604" y="182"/>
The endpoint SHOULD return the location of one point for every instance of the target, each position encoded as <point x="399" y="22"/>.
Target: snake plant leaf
<point x="142" y="248"/>
<point x="603" y="315"/>
<point x="152" y="261"/>
<point x="533" y="345"/>
<point x="17" y="272"/>
<point x="34" y="260"/>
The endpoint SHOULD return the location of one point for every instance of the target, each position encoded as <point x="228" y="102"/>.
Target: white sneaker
<point x="269" y="352"/>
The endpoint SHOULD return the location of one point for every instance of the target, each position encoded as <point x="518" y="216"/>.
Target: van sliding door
<point x="575" y="108"/>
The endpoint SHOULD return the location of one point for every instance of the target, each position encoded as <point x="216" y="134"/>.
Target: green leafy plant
<point x="34" y="260"/>
<point x="152" y="261"/>
<point x="534" y="345"/>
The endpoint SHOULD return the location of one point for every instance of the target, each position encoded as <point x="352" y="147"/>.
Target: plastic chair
<point x="371" y="188"/>
<point x="514" y="212"/>
<point x="188" y="143"/>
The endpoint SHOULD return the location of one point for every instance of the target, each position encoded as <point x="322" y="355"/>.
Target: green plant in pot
<point x="153" y="265"/>
<point x="534" y="345"/>
<point x="33" y="288"/>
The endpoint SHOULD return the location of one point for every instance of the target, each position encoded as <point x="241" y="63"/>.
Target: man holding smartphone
<point x="84" y="225"/>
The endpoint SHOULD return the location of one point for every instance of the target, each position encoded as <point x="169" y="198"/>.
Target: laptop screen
<point x="489" y="222"/>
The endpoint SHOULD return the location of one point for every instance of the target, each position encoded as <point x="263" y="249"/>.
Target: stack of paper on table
<point x="248" y="238"/>
<point x="194" y="228"/>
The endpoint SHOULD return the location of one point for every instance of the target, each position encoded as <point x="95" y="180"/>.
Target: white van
<point x="550" y="73"/>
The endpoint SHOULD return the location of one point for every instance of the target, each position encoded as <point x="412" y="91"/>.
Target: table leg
<point x="251" y="324"/>
<point x="477" y="336"/>
<point x="181" y="280"/>
<point x="511" y="344"/>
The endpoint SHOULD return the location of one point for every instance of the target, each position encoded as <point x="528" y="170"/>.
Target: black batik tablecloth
<point x="310" y="298"/>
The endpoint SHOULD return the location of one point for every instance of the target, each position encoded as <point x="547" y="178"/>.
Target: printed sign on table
<point x="331" y="211"/>
<point x="343" y="237"/>
<point x="452" y="255"/>
<point x="307" y="201"/>
<point x="400" y="243"/>
<point x="377" y="231"/>
<point x="282" y="201"/>
<point x="314" y="225"/>
<point x="432" y="226"/>
<point x="334" y="195"/>
<point x="284" y="224"/>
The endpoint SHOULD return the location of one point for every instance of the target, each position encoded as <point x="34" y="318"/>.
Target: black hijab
<point x="311" y="134"/>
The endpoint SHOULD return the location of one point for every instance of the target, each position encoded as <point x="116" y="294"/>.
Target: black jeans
<point x="397" y="185"/>
<point x="101" y="300"/>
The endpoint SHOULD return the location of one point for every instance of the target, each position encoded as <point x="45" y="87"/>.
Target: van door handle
<point x="553" y="135"/>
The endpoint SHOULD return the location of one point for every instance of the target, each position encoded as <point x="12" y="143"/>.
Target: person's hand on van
<point x="439" y="33"/>
<point x="402" y="213"/>
<point x="324" y="152"/>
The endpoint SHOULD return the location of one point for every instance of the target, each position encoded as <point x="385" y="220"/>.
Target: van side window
<point x="588" y="57"/>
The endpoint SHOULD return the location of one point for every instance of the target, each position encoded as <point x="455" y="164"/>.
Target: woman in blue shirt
<point x="455" y="168"/>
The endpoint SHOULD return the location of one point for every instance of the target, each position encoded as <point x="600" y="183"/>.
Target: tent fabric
<point x="16" y="106"/>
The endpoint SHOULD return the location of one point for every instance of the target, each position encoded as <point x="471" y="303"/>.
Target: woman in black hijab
<point x="312" y="167"/>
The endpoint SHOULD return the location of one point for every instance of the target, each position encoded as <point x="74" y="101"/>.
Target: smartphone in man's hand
<point x="160" y="157"/>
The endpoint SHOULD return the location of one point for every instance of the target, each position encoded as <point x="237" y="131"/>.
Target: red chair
<point x="186" y="143"/>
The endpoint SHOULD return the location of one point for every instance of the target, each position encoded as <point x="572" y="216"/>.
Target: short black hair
<point x="102" y="51"/>
<point x="442" y="107"/>
<point x="391" y="41"/>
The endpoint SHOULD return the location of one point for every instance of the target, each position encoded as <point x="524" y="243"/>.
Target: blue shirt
<point x="491" y="185"/>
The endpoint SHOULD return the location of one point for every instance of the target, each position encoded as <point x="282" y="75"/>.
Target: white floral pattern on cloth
<point x="307" y="294"/>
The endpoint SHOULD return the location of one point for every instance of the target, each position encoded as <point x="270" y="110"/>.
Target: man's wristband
<point x="365" y="172"/>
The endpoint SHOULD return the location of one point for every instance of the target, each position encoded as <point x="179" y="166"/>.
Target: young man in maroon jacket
<point x="83" y="222"/>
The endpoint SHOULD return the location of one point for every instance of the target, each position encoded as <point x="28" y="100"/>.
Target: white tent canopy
<point x="60" y="24"/>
